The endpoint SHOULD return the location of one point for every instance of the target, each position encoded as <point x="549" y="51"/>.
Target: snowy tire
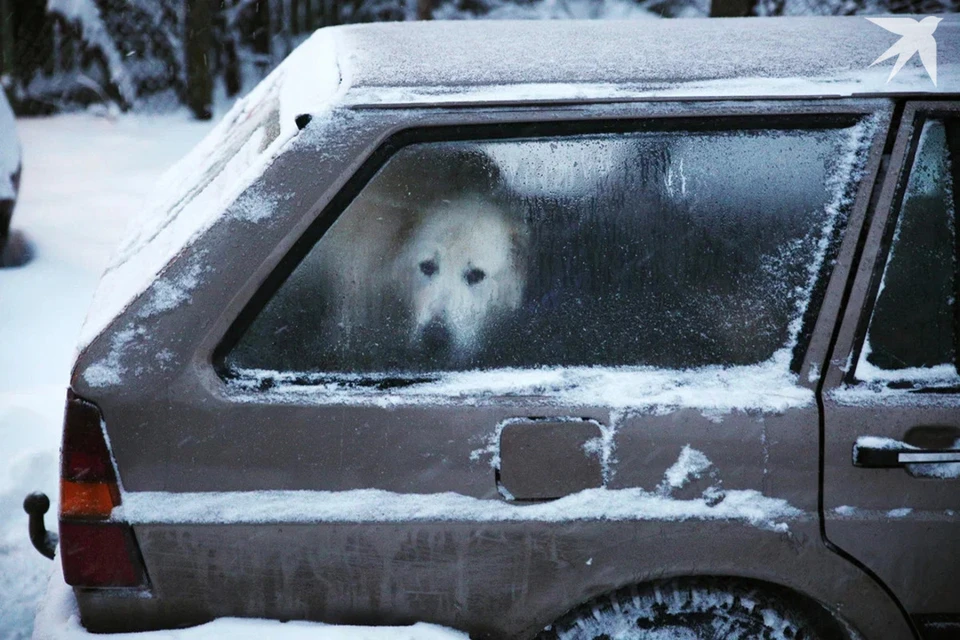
<point x="698" y="609"/>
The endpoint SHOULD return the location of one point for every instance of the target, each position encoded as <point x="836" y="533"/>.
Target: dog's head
<point x="464" y="268"/>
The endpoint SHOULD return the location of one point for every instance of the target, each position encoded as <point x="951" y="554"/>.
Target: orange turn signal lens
<point x="87" y="499"/>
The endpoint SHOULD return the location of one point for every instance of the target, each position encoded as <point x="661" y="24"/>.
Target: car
<point x="9" y="167"/>
<point x="554" y="330"/>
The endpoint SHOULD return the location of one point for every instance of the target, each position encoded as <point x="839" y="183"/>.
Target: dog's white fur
<point x="469" y="250"/>
<point x="371" y="262"/>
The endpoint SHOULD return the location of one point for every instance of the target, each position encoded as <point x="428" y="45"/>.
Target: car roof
<point x="518" y="61"/>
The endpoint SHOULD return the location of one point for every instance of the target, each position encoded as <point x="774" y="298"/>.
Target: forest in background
<point x="156" y="55"/>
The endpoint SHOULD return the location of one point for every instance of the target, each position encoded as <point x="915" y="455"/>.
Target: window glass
<point x="913" y="331"/>
<point x="671" y="249"/>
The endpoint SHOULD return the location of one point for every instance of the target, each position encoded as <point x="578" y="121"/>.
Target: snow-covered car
<point x="559" y="330"/>
<point x="9" y="167"/>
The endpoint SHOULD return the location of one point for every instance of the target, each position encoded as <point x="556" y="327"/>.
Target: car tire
<point x="698" y="609"/>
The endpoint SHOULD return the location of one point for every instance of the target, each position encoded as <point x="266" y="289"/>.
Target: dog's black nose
<point x="436" y="337"/>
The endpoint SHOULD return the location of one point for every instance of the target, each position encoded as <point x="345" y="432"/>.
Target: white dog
<point x="428" y="278"/>
<point x="460" y="270"/>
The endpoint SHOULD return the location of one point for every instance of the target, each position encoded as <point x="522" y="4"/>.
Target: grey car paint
<point x="180" y="429"/>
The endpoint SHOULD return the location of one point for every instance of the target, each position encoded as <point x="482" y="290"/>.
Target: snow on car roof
<point x="570" y="60"/>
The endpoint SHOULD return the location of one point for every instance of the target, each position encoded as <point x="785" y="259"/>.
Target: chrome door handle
<point x="885" y="453"/>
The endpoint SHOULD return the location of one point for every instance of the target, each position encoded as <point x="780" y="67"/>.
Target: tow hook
<point x="36" y="505"/>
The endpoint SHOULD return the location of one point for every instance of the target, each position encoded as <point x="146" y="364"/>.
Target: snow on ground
<point x="84" y="176"/>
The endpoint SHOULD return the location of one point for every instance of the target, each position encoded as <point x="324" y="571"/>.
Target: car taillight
<point x="88" y="484"/>
<point x="95" y="551"/>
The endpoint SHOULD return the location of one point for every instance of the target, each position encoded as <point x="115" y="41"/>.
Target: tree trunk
<point x="261" y="28"/>
<point x="424" y="9"/>
<point x="231" y="68"/>
<point x="199" y="46"/>
<point x="32" y="46"/>
<point x="309" y="18"/>
<point x="282" y="19"/>
<point x="6" y="38"/>
<point x="228" y="58"/>
<point x="295" y="17"/>
<point x="331" y="12"/>
<point x="732" y="8"/>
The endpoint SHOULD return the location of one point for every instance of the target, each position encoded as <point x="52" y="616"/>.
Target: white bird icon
<point x="917" y="38"/>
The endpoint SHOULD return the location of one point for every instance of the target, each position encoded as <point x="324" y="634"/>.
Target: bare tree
<point x="199" y="47"/>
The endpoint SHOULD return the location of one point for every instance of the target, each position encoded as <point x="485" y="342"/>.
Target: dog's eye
<point x="429" y="267"/>
<point x="474" y="276"/>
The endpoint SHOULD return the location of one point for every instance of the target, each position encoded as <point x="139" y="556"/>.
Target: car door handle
<point x="871" y="452"/>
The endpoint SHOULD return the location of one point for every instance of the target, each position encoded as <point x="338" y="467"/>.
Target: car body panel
<point x="495" y="581"/>
<point x="867" y="510"/>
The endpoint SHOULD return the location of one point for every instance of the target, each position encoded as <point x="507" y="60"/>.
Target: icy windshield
<point x="666" y="249"/>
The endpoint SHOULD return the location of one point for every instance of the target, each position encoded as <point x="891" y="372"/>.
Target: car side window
<point x="914" y="331"/>
<point x="670" y="249"/>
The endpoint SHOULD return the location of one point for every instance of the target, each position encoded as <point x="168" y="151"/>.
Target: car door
<point x="892" y="391"/>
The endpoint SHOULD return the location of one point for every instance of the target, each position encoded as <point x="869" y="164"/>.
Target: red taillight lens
<point x="88" y="484"/>
<point x="85" y="457"/>
<point x="100" y="555"/>
<point x="95" y="552"/>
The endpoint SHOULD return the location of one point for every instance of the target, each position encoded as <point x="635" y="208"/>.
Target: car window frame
<point x="452" y="124"/>
<point x="886" y="213"/>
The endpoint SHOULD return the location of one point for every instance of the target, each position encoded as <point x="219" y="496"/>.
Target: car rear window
<point x="668" y="249"/>
<point x="914" y="330"/>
